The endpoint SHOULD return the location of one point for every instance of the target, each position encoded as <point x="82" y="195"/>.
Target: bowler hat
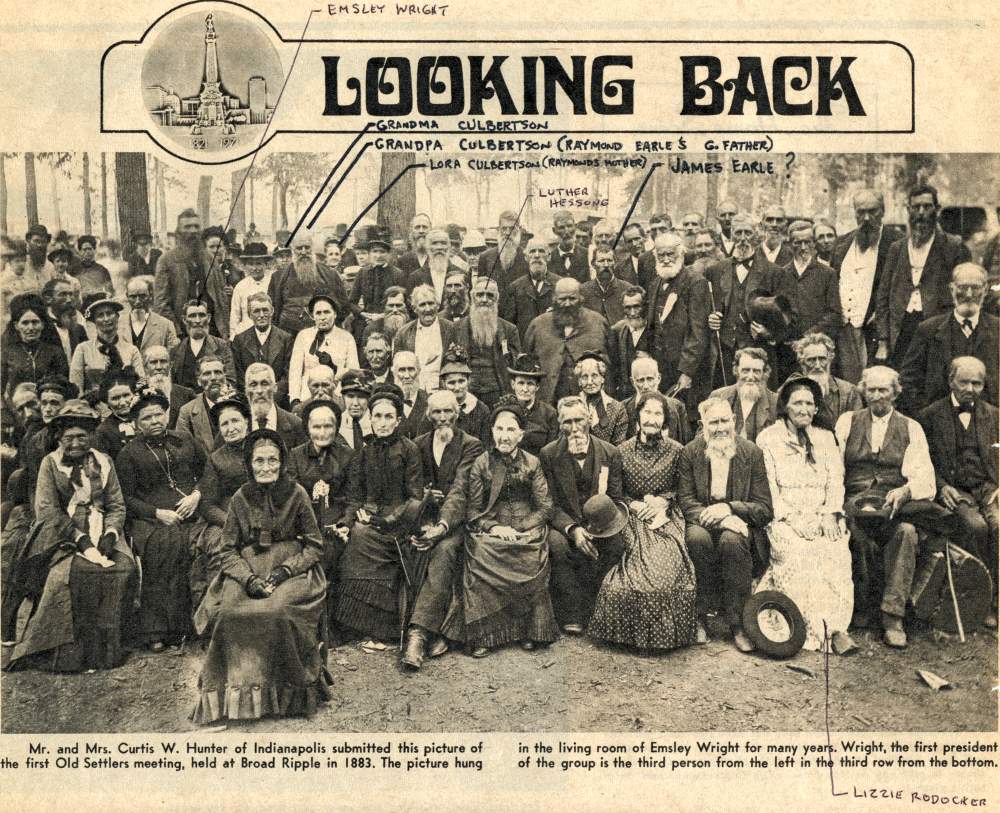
<point x="255" y="252"/>
<point x="780" y="603"/>
<point x="602" y="518"/>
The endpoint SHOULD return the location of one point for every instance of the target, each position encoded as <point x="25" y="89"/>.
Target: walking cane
<point x="718" y="338"/>
<point x="951" y="589"/>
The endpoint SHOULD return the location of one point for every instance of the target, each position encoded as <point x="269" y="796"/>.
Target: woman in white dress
<point x="324" y="343"/>
<point x="810" y="558"/>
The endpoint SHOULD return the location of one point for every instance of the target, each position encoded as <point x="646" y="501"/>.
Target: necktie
<point x="965" y="408"/>
<point x="110" y="351"/>
<point x="579" y="457"/>
<point x="967" y="327"/>
<point x="261" y="423"/>
<point x="358" y="439"/>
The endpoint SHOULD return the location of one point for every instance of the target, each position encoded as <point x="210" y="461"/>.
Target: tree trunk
<point x="283" y="204"/>
<point x="3" y="196"/>
<point x="238" y="218"/>
<point x="30" y="189"/>
<point x="54" y="186"/>
<point x="274" y="206"/>
<point x="154" y="203"/>
<point x="831" y="204"/>
<point x="132" y="192"/>
<point x="397" y="207"/>
<point x="205" y="200"/>
<point x="88" y="224"/>
<point x="161" y="203"/>
<point x="253" y="217"/>
<point x="104" y="197"/>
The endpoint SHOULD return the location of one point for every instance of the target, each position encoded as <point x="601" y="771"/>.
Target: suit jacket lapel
<point x="702" y="475"/>
<point x="567" y="476"/>
<point x="737" y="476"/>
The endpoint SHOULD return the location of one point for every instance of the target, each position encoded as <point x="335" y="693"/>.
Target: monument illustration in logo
<point x="230" y="54"/>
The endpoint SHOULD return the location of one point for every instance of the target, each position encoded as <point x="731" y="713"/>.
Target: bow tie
<point x="579" y="456"/>
<point x="968" y="408"/>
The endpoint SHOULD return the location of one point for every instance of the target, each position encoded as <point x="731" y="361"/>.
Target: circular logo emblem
<point x="210" y="81"/>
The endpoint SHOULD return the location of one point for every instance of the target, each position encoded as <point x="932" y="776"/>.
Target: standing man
<point x="141" y="326"/>
<point x="58" y="295"/>
<point x="638" y="263"/>
<point x="577" y="466"/>
<point x="256" y="262"/>
<point x="816" y="353"/>
<point x="567" y="258"/>
<point x="37" y="269"/>
<point x="506" y="262"/>
<point x="691" y="224"/>
<point x="142" y="261"/>
<point x="724" y="494"/>
<point x="966" y="330"/>
<point x="630" y="338"/>
<point x="559" y="337"/>
<point x="918" y="269"/>
<point x="724" y="213"/>
<point x="774" y="248"/>
<point x="733" y="279"/>
<point x="181" y="273"/>
<point x="885" y="456"/>
<point x="859" y="257"/>
<point x="417" y="257"/>
<point x="753" y="405"/>
<point x="491" y="342"/>
<point x="263" y="343"/>
<point x="437" y="267"/>
<point x="961" y="429"/>
<point x="646" y="378"/>
<point x="531" y="295"/>
<point x="93" y="277"/>
<point x="293" y="286"/>
<point x="428" y="336"/>
<point x="603" y="294"/>
<point x="678" y="314"/>
<point x="196" y="343"/>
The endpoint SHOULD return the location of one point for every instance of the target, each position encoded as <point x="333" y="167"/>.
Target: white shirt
<point x="636" y="334"/>
<point x="469" y="404"/>
<point x="918" y="259"/>
<point x="916" y="469"/>
<point x="727" y="243"/>
<point x="437" y="448"/>
<point x="719" y="469"/>
<point x="857" y="277"/>
<point x="428" y="349"/>
<point x="964" y="417"/>
<point x="772" y="256"/>
<point x="960" y="319"/>
<point x="437" y="280"/>
<point x="271" y="422"/>
<point x="339" y="344"/>
<point x="263" y="337"/>
<point x="347" y="427"/>
<point x="799" y="269"/>
<point x="239" y="314"/>
<point x="196" y="345"/>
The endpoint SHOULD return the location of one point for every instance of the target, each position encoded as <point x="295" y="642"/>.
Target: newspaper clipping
<point x="420" y="405"/>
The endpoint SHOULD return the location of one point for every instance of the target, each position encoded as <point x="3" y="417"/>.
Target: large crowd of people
<point x="623" y="431"/>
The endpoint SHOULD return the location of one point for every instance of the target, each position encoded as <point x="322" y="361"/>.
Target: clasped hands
<point x="720" y="515"/>
<point x="256" y="587"/>
<point x="184" y="509"/>
<point x="429" y="535"/>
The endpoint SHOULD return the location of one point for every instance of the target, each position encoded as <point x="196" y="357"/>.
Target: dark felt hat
<point x="236" y="402"/>
<point x="147" y="397"/>
<point x="387" y="392"/>
<point x="526" y="365"/>
<point x="775" y="313"/>
<point x="56" y="253"/>
<point x="602" y="518"/>
<point x="596" y="355"/>
<point x="75" y="412"/>
<point x="355" y="381"/>
<point x="508" y="403"/>
<point x="255" y="252"/>
<point x="322" y="297"/>
<point x="38" y="230"/>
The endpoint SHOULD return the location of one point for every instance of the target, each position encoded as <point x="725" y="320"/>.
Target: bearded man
<point x="646" y="378"/>
<point x="630" y="339"/>
<point x="733" y="279"/>
<point x="918" y="270"/>
<point x="678" y="316"/>
<point x="506" y="262"/>
<point x="292" y="286"/>
<point x="724" y="494"/>
<point x="491" y="343"/>
<point x="456" y="296"/>
<point x="859" y="258"/>
<point x="261" y="387"/>
<point x="560" y="336"/>
<point x="156" y="359"/>
<point x="182" y="274"/>
<point x="604" y="292"/>
<point x="392" y="320"/>
<point x="58" y="295"/>
<point x="753" y="405"/>
<point x="429" y="336"/>
<point x="531" y="295"/>
<point x="437" y="268"/>
<point x="816" y="353"/>
<point x="417" y="258"/>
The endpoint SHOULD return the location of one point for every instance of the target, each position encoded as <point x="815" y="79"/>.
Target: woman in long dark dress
<point x="159" y="471"/>
<point x="504" y="593"/>
<point x="265" y="606"/>
<point x="647" y="599"/>
<point x="223" y="475"/>
<point x="74" y="562"/>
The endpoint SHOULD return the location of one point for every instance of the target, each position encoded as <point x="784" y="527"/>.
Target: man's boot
<point x="413" y="649"/>
<point x="895" y="635"/>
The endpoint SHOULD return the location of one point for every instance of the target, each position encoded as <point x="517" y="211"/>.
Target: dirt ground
<point x="577" y="684"/>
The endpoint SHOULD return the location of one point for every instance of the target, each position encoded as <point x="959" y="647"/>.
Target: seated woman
<point x="223" y="475"/>
<point x="647" y="600"/>
<point x="117" y="390"/>
<point x="159" y="470"/>
<point x="74" y="562"/>
<point x="264" y="608"/>
<point x="810" y="553"/>
<point x="504" y="594"/>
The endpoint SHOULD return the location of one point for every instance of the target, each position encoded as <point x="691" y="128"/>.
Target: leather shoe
<point x="700" y="633"/>
<point x="842" y="643"/>
<point x="438" y="647"/>
<point x="991" y="620"/>
<point x="743" y="644"/>
<point x="573" y="629"/>
<point x="528" y="646"/>
<point x="895" y="635"/>
<point x="413" y="649"/>
<point x="480" y="652"/>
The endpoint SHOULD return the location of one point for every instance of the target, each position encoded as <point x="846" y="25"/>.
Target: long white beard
<point x="484" y="323"/>
<point x="721" y="449"/>
<point x="392" y="322"/>
<point x="508" y="252"/>
<point x="749" y="392"/>
<point x="823" y="379"/>
<point x="160" y="382"/>
<point x="437" y="263"/>
<point x="444" y="435"/>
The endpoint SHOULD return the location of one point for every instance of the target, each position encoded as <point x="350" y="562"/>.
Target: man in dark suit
<point x="724" y="494"/>
<point x="967" y="330"/>
<point x="567" y="259"/>
<point x="265" y="343"/>
<point x="293" y="285"/>
<point x="646" y="378"/>
<point x="961" y="430"/>
<point x="859" y="257"/>
<point x="194" y="417"/>
<point x="428" y="336"/>
<point x="197" y="343"/>
<point x="60" y="297"/>
<point x="437" y="268"/>
<point x="577" y="466"/>
<point x="754" y="406"/>
<point x="530" y="295"/>
<point x="505" y="262"/>
<point x="914" y="285"/>
<point x="809" y="284"/>
<point x="156" y="361"/>
<point x="416" y="258"/>
<point x="492" y="343"/>
<point x="678" y="316"/>
<point x="815" y="353"/>
<point x="603" y="294"/>
<point x="638" y="261"/>
<point x="630" y="338"/>
<point x="774" y="248"/>
<point x="447" y="454"/>
<point x="370" y="286"/>
<point x="406" y="376"/>
<point x="733" y="279"/>
<point x="142" y="259"/>
<point x="261" y="387"/>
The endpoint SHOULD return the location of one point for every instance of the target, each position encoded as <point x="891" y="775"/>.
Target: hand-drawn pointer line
<point x="635" y="202"/>
<point x="371" y="205"/>
<point x="319" y="191"/>
<point x="336" y="186"/>
<point x="826" y="674"/>
<point x="256" y="152"/>
<point x="506" y="240"/>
